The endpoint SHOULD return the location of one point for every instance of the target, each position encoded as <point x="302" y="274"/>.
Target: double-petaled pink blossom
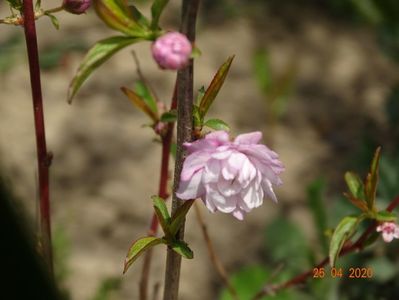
<point x="230" y="176"/>
<point x="390" y="231"/>
<point x="172" y="51"/>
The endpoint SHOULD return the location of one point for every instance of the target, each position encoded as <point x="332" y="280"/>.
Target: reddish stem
<point x="163" y="193"/>
<point x="358" y="245"/>
<point x="43" y="158"/>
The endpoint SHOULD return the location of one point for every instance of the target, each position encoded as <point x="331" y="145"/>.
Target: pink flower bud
<point x="230" y="176"/>
<point x="172" y="51"/>
<point x="390" y="230"/>
<point x="76" y="7"/>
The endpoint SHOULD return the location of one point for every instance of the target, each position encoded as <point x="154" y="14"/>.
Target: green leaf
<point x="361" y="204"/>
<point x="53" y="20"/>
<point x="195" y="53"/>
<point x="214" y="87"/>
<point x="162" y="213"/>
<point x="200" y="95"/>
<point x="385" y="216"/>
<point x="355" y="185"/>
<point x="343" y="232"/>
<point x="140" y="103"/>
<point x="217" y="124"/>
<point x="16" y="4"/>
<point x="182" y="248"/>
<point x="197" y="119"/>
<point x="117" y="15"/>
<point x="317" y="207"/>
<point x="138" y="247"/>
<point x="169" y="116"/>
<point x="179" y="216"/>
<point x="143" y="91"/>
<point x="372" y="180"/>
<point x="156" y="11"/>
<point x="139" y="17"/>
<point x="95" y="57"/>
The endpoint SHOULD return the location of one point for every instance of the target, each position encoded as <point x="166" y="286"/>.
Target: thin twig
<point x="43" y="158"/>
<point x="356" y="246"/>
<point x="184" y="134"/>
<point x="212" y="253"/>
<point x="163" y="193"/>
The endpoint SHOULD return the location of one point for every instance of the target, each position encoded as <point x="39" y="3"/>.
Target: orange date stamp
<point x="351" y="273"/>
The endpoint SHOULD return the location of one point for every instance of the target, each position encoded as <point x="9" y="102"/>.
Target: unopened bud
<point x="172" y="51"/>
<point x="76" y="7"/>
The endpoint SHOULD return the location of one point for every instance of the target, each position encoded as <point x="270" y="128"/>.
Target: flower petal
<point x="248" y="138"/>
<point x="192" y="188"/>
<point x="238" y="214"/>
<point x="193" y="163"/>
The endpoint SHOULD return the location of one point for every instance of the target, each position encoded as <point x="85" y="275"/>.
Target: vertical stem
<point x="43" y="158"/>
<point x="184" y="134"/>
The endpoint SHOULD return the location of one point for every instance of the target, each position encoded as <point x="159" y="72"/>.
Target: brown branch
<point x="43" y="158"/>
<point x="356" y="246"/>
<point x="184" y="134"/>
<point x="212" y="253"/>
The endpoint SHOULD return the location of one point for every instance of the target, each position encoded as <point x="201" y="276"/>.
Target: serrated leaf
<point x="217" y="124"/>
<point x="142" y="90"/>
<point x="169" y="116"/>
<point x="341" y="234"/>
<point x="95" y="57"/>
<point x="385" y="216"/>
<point x="214" y="87"/>
<point x="139" y="102"/>
<point x="372" y="180"/>
<point x="138" y="247"/>
<point x="156" y="11"/>
<point x="179" y="216"/>
<point x="162" y="213"/>
<point x="53" y="20"/>
<point x="117" y="15"/>
<point x="182" y="248"/>
<point x="355" y="185"/>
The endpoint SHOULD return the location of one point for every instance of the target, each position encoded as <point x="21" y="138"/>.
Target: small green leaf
<point x="53" y="20"/>
<point x="140" y="103"/>
<point x="361" y="204"/>
<point x="355" y="185"/>
<point x="179" y="216"/>
<point x="16" y="4"/>
<point x="162" y="213"/>
<point x="139" y="17"/>
<point x="214" y="87"/>
<point x="95" y="57"/>
<point x="169" y="116"/>
<point x="217" y="124"/>
<point x="156" y="11"/>
<point x="385" y="216"/>
<point x="138" y="247"/>
<point x="117" y="15"/>
<point x="200" y="95"/>
<point x="195" y="53"/>
<point x="372" y="180"/>
<point x="142" y="90"/>
<point x="182" y="248"/>
<point x="197" y="119"/>
<point x="341" y="234"/>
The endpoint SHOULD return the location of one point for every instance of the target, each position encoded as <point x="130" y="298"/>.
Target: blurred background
<point x="319" y="78"/>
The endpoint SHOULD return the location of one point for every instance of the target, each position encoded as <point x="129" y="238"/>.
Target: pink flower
<point x="172" y="51"/>
<point x="230" y="176"/>
<point x="76" y="7"/>
<point x="389" y="230"/>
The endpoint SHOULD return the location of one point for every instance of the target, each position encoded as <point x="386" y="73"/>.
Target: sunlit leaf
<point x="139" y="102"/>
<point x="385" y="216"/>
<point x="16" y="4"/>
<point x="179" y="216"/>
<point x="138" y="247"/>
<point x="117" y="15"/>
<point x="142" y="90"/>
<point x="53" y="20"/>
<point x="342" y="232"/>
<point x="162" y="213"/>
<point x="217" y="124"/>
<point x="156" y="11"/>
<point x="355" y="185"/>
<point x="139" y="17"/>
<point x="214" y="87"/>
<point x="169" y="116"/>
<point x="95" y="57"/>
<point x="182" y="248"/>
